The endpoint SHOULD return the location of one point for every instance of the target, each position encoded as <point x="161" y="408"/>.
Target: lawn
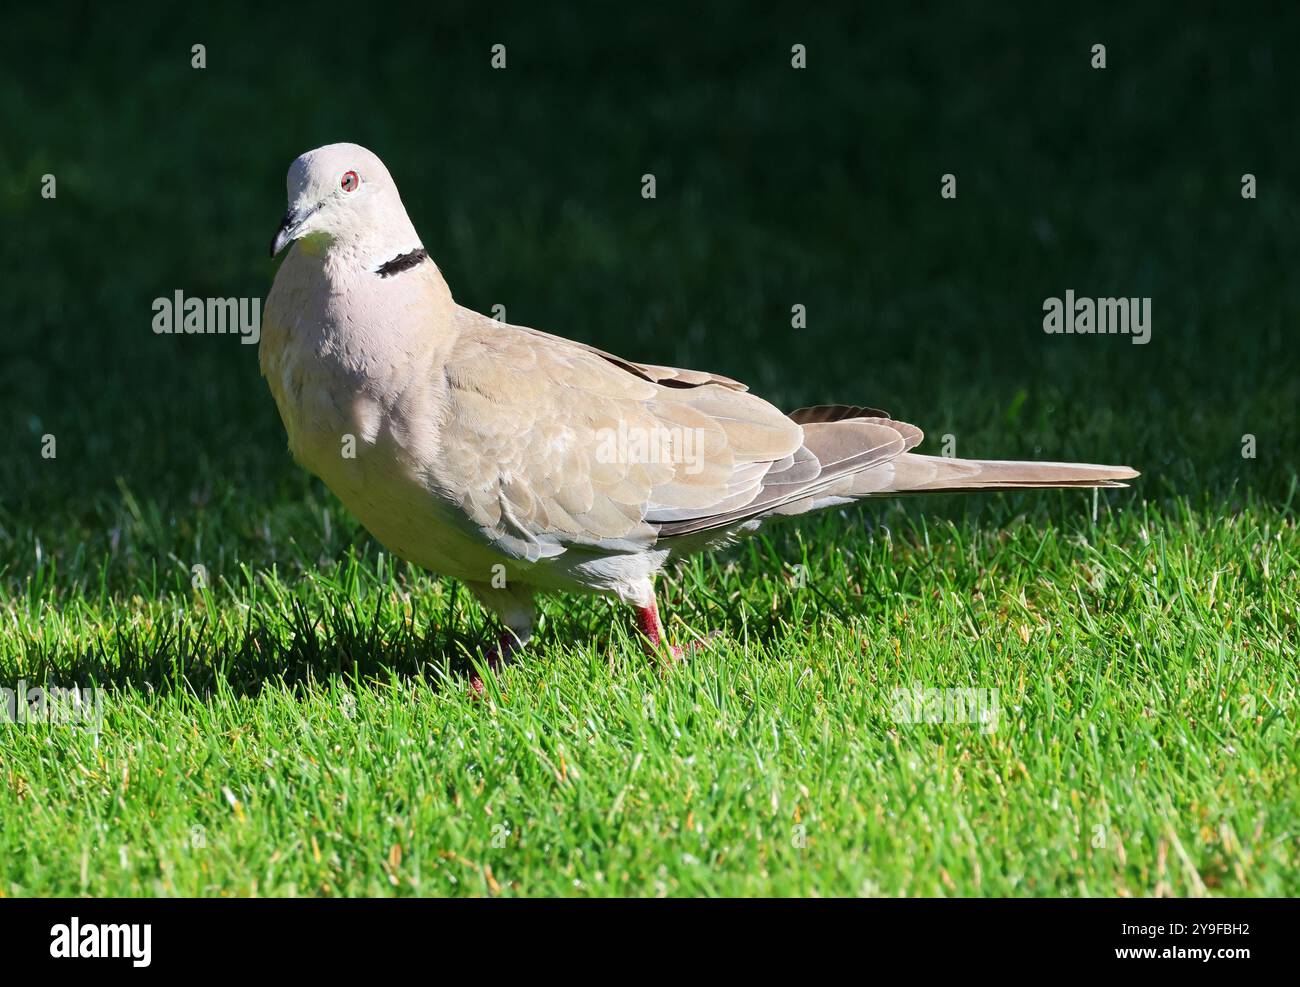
<point x="284" y="705"/>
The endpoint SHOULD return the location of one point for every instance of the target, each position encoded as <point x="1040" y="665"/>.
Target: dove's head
<point x="342" y="192"/>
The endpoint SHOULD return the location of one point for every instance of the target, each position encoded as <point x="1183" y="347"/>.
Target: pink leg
<point x="496" y="656"/>
<point x="647" y="622"/>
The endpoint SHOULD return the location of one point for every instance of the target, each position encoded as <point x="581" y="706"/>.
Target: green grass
<point x="317" y="731"/>
<point x="300" y="724"/>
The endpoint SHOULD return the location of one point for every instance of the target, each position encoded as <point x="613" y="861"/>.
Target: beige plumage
<point x="522" y="462"/>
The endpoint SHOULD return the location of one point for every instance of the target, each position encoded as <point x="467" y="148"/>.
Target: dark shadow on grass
<point x="340" y="642"/>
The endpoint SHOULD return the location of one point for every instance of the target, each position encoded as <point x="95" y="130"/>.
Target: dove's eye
<point x="350" y="181"/>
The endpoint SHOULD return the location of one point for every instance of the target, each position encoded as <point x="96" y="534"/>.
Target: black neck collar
<point x="402" y="262"/>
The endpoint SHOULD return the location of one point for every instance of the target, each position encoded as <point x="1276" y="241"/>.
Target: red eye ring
<point x="350" y="181"/>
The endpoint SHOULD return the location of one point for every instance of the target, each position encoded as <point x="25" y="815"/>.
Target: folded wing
<point x="548" y="444"/>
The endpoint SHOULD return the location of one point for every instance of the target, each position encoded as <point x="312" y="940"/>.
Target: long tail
<point x="914" y="473"/>
<point x="910" y="473"/>
<point x="851" y="452"/>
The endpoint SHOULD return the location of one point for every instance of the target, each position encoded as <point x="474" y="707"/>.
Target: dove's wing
<point x="548" y="444"/>
<point x="669" y="376"/>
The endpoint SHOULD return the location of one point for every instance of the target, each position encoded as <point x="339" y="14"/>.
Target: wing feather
<point x="553" y="443"/>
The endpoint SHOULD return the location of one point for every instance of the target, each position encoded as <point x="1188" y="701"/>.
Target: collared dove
<point x="520" y="462"/>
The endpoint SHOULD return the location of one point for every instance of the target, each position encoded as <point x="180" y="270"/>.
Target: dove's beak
<point x="287" y="233"/>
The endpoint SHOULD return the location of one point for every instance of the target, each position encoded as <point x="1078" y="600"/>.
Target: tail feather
<point x="850" y="452"/>
<point x="914" y="473"/>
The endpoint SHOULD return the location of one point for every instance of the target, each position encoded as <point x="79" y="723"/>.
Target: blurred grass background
<point x="775" y="187"/>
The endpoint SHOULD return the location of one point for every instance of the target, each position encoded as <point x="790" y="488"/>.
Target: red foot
<point x="647" y="622"/>
<point x="496" y="656"/>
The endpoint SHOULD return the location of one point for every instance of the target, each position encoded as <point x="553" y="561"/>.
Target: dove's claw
<point x="652" y="633"/>
<point x="494" y="658"/>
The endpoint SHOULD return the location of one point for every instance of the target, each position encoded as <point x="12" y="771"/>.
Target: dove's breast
<point x="361" y="401"/>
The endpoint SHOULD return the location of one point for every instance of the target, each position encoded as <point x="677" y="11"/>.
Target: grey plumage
<point x="500" y="454"/>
